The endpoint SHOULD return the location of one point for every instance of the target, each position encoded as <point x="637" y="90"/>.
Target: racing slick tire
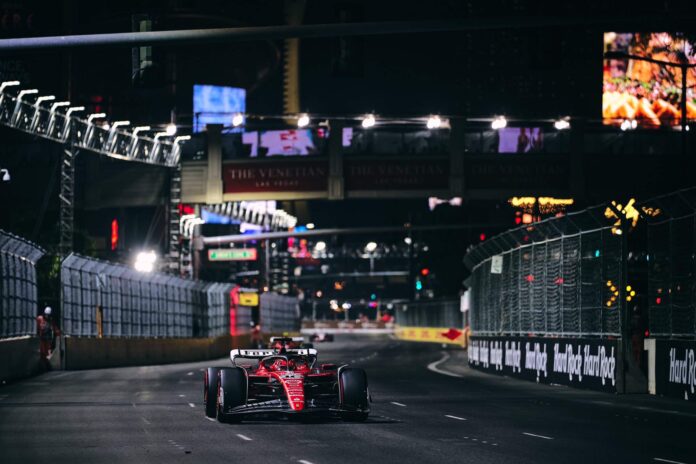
<point x="354" y="394"/>
<point x="210" y="390"/>
<point x="232" y="392"/>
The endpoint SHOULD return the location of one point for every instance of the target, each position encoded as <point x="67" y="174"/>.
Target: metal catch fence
<point x="18" y="285"/>
<point x="558" y="277"/>
<point x="671" y="263"/>
<point x="126" y="303"/>
<point x="279" y="313"/>
<point x="437" y="313"/>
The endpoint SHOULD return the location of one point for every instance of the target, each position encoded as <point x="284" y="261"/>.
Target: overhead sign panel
<point x="232" y="254"/>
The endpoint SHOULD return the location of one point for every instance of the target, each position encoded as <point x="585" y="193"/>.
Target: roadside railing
<point x="18" y="285"/>
<point x="279" y="313"/>
<point x="113" y="300"/>
<point x="558" y="277"/>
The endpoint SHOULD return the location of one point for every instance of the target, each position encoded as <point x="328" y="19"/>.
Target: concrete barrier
<point x="19" y="358"/>
<point x="90" y="353"/>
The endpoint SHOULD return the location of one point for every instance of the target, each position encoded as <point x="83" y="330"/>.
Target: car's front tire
<point x="210" y="381"/>
<point x="232" y="392"/>
<point x="354" y="394"/>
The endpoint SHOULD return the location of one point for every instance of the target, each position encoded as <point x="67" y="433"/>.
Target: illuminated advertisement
<point x="647" y="92"/>
<point x="520" y="140"/>
<point x="214" y="104"/>
<point x="290" y="142"/>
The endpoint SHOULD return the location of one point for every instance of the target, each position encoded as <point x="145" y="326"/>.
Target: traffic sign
<point x="232" y="254"/>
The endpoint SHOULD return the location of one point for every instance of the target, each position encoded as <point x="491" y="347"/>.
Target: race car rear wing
<point x="259" y="354"/>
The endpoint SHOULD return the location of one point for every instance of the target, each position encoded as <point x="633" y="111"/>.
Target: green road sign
<point x="232" y="254"/>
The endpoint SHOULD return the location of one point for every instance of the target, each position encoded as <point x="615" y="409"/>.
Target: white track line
<point x="455" y="417"/>
<point x="398" y="404"/>
<point x="192" y="405"/>
<point x="302" y="461"/>
<point x="243" y="437"/>
<point x="538" y="436"/>
<point x="211" y="419"/>
<point x="667" y="460"/>
<point x="433" y="366"/>
<point x="189" y="373"/>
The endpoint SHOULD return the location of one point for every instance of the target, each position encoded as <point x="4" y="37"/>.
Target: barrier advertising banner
<point x="577" y="362"/>
<point x="675" y="369"/>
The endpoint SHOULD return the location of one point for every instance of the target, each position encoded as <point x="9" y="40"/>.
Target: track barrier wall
<point x="18" y="286"/>
<point x="279" y="314"/>
<point x="438" y="321"/>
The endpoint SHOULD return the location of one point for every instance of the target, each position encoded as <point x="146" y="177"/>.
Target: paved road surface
<point x="154" y="414"/>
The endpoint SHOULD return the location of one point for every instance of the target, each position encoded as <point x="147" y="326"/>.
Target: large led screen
<point x="214" y="104"/>
<point x="649" y="93"/>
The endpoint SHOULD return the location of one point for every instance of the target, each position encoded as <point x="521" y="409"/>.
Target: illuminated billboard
<point x="214" y="104"/>
<point x="647" y="92"/>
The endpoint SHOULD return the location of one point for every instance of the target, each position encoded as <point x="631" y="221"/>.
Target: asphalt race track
<point x="155" y="414"/>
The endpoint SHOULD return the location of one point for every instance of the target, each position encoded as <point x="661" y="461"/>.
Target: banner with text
<point x="577" y="362"/>
<point x="675" y="369"/>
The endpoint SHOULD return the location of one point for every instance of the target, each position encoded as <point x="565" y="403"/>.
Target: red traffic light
<point x="425" y="271"/>
<point x="482" y="237"/>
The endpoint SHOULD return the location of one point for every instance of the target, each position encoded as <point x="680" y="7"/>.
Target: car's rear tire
<point x="232" y="392"/>
<point x="210" y="390"/>
<point x="354" y="394"/>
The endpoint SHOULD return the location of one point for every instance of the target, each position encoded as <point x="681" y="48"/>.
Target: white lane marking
<point x="302" y="461"/>
<point x="189" y="373"/>
<point x="455" y="417"/>
<point x="667" y="460"/>
<point x="398" y="404"/>
<point x="538" y="436"/>
<point x="243" y="437"/>
<point x="211" y="419"/>
<point x="192" y="405"/>
<point x="181" y="396"/>
<point x="433" y="367"/>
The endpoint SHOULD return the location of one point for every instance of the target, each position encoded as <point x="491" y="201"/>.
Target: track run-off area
<point x="428" y="407"/>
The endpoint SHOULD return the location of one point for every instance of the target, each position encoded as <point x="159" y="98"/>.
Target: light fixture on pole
<point x="72" y="109"/>
<point x="562" y="124"/>
<point x="320" y="246"/>
<point x="37" y="112"/>
<point x="303" y="120"/>
<point x="170" y="129"/>
<point x="18" y="104"/>
<point x="145" y="261"/>
<point x="368" y="121"/>
<point x="94" y="116"/>
<point x="52" y="117"/>
<point x="111" y="141"/>
<point x="138" y="129"/>
<point x="44" y="98"/>
<point x="433" y="122"/>
<point x="371" y="247"/>
<point x="237" y="119"/>
<point x="8" y="84"/>
<point x="499" y="123"/>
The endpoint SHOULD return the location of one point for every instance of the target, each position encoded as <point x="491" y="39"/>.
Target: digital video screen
<point x="520" y="140"/>
<point x="214" y="104"/>
<point x="291" y="142"/>
<point x="649" y="93"/>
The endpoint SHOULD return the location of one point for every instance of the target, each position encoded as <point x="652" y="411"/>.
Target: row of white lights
<point x="368" y="121"/>
<point x="169" y="131"/>
<point x="433" y="122"/>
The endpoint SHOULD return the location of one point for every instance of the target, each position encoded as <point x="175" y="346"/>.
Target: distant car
<point x="321" y="337"/>
<point x="284" y="380"/>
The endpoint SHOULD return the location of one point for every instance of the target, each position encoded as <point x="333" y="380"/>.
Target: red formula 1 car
<point x="285" y="380"/>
